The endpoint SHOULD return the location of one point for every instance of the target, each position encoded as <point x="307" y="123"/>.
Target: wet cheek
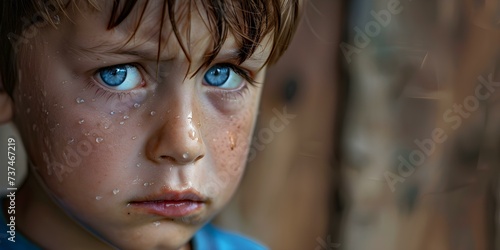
<point x="229" y="148"/>
<point x="67" y="137"/>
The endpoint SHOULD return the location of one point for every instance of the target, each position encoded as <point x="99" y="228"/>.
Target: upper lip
<point x="173" y="195"/>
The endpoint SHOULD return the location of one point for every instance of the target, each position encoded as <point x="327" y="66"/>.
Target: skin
<point x="88" y="164"/>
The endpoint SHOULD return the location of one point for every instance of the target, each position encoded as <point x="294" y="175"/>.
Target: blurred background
<point x="393" y="135"/>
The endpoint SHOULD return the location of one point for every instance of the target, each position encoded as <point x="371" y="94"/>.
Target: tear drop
<point x="232" y="141"/>
<point x="115" y="191"/>
<point x="136" y="180"/>
<point x="156" y="223"/>
<point x="112" y="112"/>
<point x="71" y="140"/>
<point x="28" y="110"/>
<point x="98" y="197"/>
<point x="121" y="123"/>
<point x="81" y="121"/>
<point x="138" y="165"/>
<point x="185" y="155"/>
<point x="56" y="19"/>
<point x="153" y="113"/>
<point x="99" y="139"/>
<point x="80" y="100"/>
<point x="192" y="134"/>
<point x="137" y="105"/>
<point x="134" y="137"/>
<point x="125" y="117"/>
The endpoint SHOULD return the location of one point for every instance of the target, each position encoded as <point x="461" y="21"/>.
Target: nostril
<point x="166" y="157"/>
<point x="198" y="158"/>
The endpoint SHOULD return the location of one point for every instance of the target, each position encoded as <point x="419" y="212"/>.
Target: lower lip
<point x="170" y="208"/>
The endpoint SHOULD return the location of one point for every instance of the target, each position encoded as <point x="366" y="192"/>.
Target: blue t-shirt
<point x="207" y="238"/>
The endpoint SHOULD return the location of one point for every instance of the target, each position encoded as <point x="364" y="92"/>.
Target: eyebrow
<point x="231" y="55"/>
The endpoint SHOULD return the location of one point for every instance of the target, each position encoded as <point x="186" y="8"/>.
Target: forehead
<point x="147" y="26"/>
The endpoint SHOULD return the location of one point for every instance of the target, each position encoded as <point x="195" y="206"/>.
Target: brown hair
<point x="250" y="21"/>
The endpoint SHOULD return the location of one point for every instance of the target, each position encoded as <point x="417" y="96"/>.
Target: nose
<point x="177" y="141"/>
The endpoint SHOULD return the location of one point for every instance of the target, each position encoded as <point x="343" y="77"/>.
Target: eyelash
<point x="102" y="92"/>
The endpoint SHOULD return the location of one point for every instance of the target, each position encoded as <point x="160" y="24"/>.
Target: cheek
<point x="228" y="142"/>
<point x="72" y="143"/>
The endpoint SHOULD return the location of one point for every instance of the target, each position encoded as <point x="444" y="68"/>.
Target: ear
<point x="6" y="105"/>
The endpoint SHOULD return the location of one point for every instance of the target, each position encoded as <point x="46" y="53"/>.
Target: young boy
<point x="136" y="116"/>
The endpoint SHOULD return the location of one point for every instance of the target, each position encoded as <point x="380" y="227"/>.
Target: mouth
<point x="171" y="204"/>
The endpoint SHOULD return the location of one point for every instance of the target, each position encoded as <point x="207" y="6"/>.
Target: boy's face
<point x="138" y="153"/>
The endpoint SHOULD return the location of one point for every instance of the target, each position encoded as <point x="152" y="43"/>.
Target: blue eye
<point x="120" y="77"/>
<point x="222" y="76"/>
